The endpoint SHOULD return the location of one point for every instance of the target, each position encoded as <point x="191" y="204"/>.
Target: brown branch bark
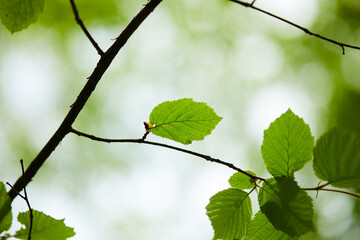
<point x="84" y="95"/>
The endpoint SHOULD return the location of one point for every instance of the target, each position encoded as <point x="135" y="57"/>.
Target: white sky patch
<point x="270" y="103"/>
<point x="259" y="58"/>
<point x="29" y="82"/>
<point x="334" y="211"/>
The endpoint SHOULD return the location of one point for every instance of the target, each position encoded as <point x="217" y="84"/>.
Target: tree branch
<point x="307" y="31"/>
<point x="84" y="95"/>
<point x="88" y="35"/>
<point x="321" y="188"/>
<point x="143" y="141"/>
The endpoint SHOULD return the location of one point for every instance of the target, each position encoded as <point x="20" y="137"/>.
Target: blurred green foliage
<point x="210" y="50"/>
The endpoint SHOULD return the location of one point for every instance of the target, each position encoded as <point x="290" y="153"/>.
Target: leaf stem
<point x="143" y="141"/>
<point x="307" y="31"/>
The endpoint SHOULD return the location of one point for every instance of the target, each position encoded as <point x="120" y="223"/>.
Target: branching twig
<point x="25" y="197"/>
<point x="142" y="140"/>
<point x="206" y="157"/>
<point x="84" y="95"/>
<point x="88" y="35"/>
<point x="307" y="31"/>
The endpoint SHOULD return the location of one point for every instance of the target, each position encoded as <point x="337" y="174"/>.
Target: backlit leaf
<point x="5" y="209"/>
<point x="337" y="158"/>
<point x="287" y="207"/>
<point x="44" y="227"/>
<point x="287" y="145"/>
<point x="183" y="120"/>
<point x="261" y="228"/>
<point x="17" y="15"/>
<point x="241" y="181"/>
<point x="230" y="213"/>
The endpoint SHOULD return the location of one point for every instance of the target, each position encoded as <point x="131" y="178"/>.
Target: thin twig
<point x="88" y="35"/>
<point x="145" y="135"/>
<point x="141" y="140"/>
<point x="307" y="31"/>
<point x="82" y="98"/>
<point x="27" y="200"/>
<point x="25" y="197"/>
<point x="321" y="188"/>
<point x="206" y="157"/>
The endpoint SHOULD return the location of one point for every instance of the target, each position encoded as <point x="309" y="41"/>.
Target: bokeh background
<point x="249" y="67"/>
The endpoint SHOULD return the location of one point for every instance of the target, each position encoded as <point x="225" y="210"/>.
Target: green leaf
<point x="230" y="213"/>
<point x="5" y="209"/>
<point x="261" y="228"/>
<point x="44" y="227"/>
<point x="241" y="181"/>
<point x="288" y="208"/>
<point x="183" y="120"/>
<point x="287" y="145"/>
<point x="17" y="15"/>
<point x="337" y="158"/>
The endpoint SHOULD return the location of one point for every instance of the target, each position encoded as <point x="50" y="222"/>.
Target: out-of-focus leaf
<point x="17" y="15"/>
<point x="337" y="158"/>
<point x="5" y="209"/>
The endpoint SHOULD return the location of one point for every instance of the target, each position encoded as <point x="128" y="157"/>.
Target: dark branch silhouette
<point x="88" y="35"/>
<point x="143" y="141"/>
<point x="203" y="156"/>
<point x="206" y="157"/>
<point x="84" y="95"/>
<point x="307" y="31"/>
<point x="25" y="197"/>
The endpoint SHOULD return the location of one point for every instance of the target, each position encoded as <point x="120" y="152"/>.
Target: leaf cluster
<point x="286" y="210"/>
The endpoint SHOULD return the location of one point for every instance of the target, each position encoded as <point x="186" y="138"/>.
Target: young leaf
<point x="287" y="145"/>
<point x="241" y="181"/>
<point x="17" y="15"/>
<point x="44" y="227"/>
<point x="261" y="228"/>
<point x="5" y="209"/>
<point x="183" y="120"/>
<point x="337" y="158"/>
<point x="287" y="207"/>
<point x="230" y="213"/>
